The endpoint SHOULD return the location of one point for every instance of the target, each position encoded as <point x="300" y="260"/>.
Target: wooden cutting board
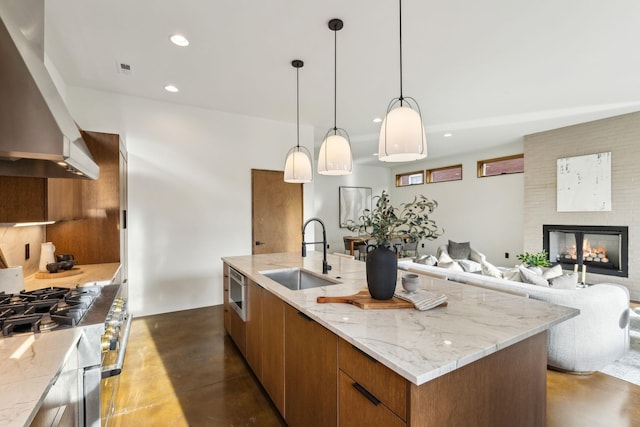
<point x="61" y="273"/>
<point x="363" y="300"/>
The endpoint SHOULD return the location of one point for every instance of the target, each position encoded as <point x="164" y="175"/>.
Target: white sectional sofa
<point x="586" y="343"/>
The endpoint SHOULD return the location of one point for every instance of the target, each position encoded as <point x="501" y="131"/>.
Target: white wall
<point x="488" y="212"/>
<point x="189" y="190"/>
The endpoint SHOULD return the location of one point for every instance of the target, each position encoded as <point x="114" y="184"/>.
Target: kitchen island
<point x="482" y="356"/>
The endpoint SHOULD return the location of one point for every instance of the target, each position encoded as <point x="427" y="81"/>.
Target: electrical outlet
<point x="506" y="254"/>
<point x="27" y="252"/>
<point x="423" y="245"/>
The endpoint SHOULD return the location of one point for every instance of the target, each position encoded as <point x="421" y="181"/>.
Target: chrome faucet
<point x="325" y="266"/>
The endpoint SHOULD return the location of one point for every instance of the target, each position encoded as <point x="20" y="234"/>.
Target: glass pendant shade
<point x="297" y="167"/>
<point x="402" y="137"/>
<point x="335" y="156"/>
<point x="335" y="152"/>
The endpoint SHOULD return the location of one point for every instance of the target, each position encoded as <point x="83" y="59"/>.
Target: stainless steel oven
<point x="107" y="328"/>
<point x="114" y="346"/>
<point x="238" y="293"/>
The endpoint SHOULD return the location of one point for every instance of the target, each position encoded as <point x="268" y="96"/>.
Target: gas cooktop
<point x="44" y="309"/>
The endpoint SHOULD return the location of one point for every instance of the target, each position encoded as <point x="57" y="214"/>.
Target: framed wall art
<point x="584" y="183"/>
<point x="352" y="202"/>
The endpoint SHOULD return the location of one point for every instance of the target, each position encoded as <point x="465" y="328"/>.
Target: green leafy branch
<point x="386" y="222"/>
<point x="541" y="259"/>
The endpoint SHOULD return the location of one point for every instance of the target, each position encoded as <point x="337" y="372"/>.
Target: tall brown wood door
<point x="277" y="213"/>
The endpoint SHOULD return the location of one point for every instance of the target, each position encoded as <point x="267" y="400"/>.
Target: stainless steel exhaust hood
<point x="38" y="136"/>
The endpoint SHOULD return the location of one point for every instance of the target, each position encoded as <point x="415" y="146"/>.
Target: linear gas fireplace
<point x="602" y="249"/>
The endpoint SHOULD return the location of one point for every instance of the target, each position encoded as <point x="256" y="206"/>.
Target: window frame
<point x="400" y="175"/>
<point x="482" y="163"/>
<point x="429" y="173"/>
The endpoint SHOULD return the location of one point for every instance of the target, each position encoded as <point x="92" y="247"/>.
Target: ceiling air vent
<point x="124" y="68"/>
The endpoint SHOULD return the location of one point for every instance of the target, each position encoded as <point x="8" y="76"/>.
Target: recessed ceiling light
<point x="377" y="120"/>
<point x="179" y="40"/>
<point x="375" y="154"/>
<point x="447" y="135"/>
<point x="171" y="88"/>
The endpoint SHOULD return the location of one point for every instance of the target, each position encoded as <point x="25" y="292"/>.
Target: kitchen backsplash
<point x="13" y="241"/>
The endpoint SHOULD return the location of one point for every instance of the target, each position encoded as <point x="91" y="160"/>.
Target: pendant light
<point x="335" y="152"/>
<point x="402" y="136"/>
<point x="297" y="167"/>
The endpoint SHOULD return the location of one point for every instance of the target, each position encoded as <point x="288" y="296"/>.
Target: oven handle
<point x="116" y="368"/>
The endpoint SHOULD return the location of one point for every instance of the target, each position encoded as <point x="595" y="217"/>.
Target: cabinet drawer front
<point x="356" y="409"/>
<point x="389" y="387"/>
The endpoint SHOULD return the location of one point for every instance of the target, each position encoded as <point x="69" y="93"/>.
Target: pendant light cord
<point x="400" y="16"/>
<point x="335" y="80"/>
<point x="298" y="107"/>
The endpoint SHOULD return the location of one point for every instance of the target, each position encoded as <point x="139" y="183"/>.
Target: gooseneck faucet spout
<point x="325" y="266"/>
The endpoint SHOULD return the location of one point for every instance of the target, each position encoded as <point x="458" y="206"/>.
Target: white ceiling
<point x="488" y="72"/>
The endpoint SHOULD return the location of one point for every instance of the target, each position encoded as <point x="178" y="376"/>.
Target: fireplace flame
<point x="589" y="253"/>
<point x="597" y="254"/>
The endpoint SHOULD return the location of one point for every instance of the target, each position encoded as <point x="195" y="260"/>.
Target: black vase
<point x="382" y="272"/>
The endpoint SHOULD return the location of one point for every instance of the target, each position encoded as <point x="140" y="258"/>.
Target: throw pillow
<point x="512" y="274"/>
<point x="469" y="266"/>
<point x="444" y="260"/>
<point x="426" y="260"/>
<point x="531" y="277"/>
<point x="491" y="270"/>
<point x="566" y="281"/>
<point x="459" y="250"/>
<point x="555" y="271"/>
<point x="454" y="266"/>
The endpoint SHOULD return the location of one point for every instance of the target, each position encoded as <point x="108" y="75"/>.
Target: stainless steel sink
<point x="298" y="278"/>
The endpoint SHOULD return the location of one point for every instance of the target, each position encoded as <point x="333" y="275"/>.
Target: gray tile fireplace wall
<point x="619" y="135"/>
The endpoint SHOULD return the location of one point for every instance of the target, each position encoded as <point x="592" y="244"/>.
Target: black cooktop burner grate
<point x="43" y="309"/>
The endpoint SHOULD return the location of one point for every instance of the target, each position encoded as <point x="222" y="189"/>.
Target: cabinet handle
<point x="304" y="316"/>
<point x="366" y="394"/>
<point x="124" y="218"/>
<point x="364" y="354"/>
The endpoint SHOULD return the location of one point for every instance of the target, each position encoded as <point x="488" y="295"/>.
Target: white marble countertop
<point x="418" y="345"/>
<point x="29" y="365"/>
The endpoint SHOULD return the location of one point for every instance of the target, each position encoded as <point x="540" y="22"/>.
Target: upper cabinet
<point x="39" y="199"/>
<point x="100" y="235"/>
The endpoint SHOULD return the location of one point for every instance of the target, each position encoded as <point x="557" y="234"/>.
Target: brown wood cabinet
<point x="311" y="372"/>
<point x="253" y="326"/>
<point x="237" y="331"/>
<point x="261" y="337"/>
<point x="379" y="389"/>
<point x="39" y="199"/>
<point x="357" y="409"/>
<point x="507" y="387"/>
<point x="273" y="349"/>
<point x="100" y="235"/>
